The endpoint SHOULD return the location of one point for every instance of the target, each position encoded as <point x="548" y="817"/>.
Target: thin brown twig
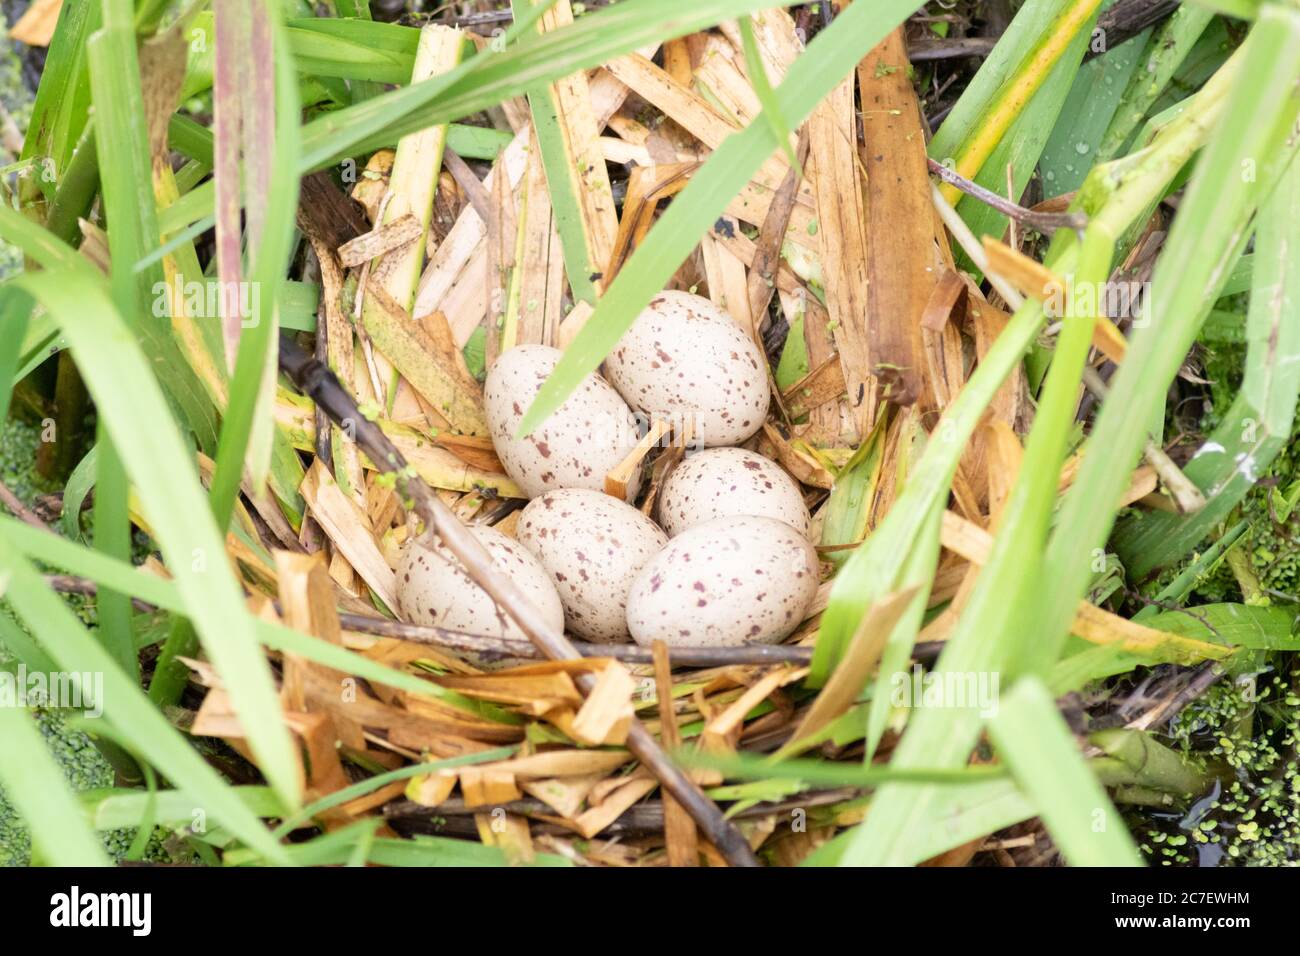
<point x="499" y="647"/>
<point x="495" y="648"/>
<point x="951" y="49"/>
<point x="71" y="584"/>
<point x="1210" y="672"/>
<point x="1044" y="222"/>
<point x="20" y="510"/>
<point x="644" y="817"/>
<point x="317" y="381"/>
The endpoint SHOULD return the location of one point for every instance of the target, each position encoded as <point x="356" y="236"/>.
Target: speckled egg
<point x="434" y="588"/>
<point x="720" y="482"/>
<point x="686" y="362"/>
<point x="727" y="582"/>
<point x="587" y="436"/>
<point x="592" y="545"/>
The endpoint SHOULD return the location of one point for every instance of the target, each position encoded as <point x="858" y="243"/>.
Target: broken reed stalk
<point x="318" y="382"/>
<point x="1044" y="222"/>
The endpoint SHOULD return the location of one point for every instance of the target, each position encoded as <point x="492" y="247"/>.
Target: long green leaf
<point x="63" y="98"/>
<point x="1168" y="47"/>
<point x="126" y="185"/>
<point x="1261" y="628"/>
<point x="125" y="706"/>
<point x="15" y="314"/>
<point x="1071" y="150"/>
<point x="1032" y="737"/>
<point x="961" y="814"/>
<point x="945" y="735"/>
<point x="1022" y="144"/>
<point x="1254" y="135"/>
<point x="490" y="77"/>
<point x="159" y="465"/>
<point x="1258" y="424"/>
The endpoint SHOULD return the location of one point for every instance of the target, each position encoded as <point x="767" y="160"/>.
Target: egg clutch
<point x="728" y="561"/>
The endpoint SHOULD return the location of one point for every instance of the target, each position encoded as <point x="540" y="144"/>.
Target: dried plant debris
<point x="890" y="461"/>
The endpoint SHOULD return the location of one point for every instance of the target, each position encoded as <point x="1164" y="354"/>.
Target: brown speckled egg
<point x="719" y="482"/>
<point x="727" y="582"/>
<point x="592" y="545"/>
<point x="587" y="436"/>
<point x="686" y="362"/>
<point x="434" y="588"/>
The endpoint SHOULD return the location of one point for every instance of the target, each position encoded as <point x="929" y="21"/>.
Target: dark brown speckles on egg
<point x="745" y="586"/>
<point x="718" y="482"/>
<point x="585" y="438"/>
<point x="567" y="530"/>
<point x="435" y="589"/>
<point x="677" y="361"/>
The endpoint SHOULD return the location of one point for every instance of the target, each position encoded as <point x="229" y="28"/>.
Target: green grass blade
<point x="117" y="808"/>
<point x="844" y="520"/>
<point x="78" y="486"/>
<point x="1021" y="146"/>
<point x="946" y="736"/>
<point x="195" y="141"/>
<point x="126" y="185"/>
<point x="36" y="786"/>
<point x="831" y="55"/>
<point x="160" y="466"/>
<point x="1089" y="109"/>
<point x="1164" y="54"/>
<point x="822" y="773"/>
<point x="579" y="265"/>
<point x="354" y="49"/>
<point x="20" y="644"/>
<point x="1032" y="737"/>
<point x="961" y="814"/>
<point x="123" y="152"/>
<point x="981" y="643"/>
<point x="1206" y="239"/>
<point x="63" y="98"/>
<point x="763" y="90"/>
<point x="112" y="535"/>
<point x="15" y="314"/>
<point x="1030" y="22"/>
<point x="1245" y="625"/>
<point x="1258" y="424"/>
<point x="125" y="706"/>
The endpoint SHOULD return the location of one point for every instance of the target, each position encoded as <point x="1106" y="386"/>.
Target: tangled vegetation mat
<point x="654" y="432"/>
